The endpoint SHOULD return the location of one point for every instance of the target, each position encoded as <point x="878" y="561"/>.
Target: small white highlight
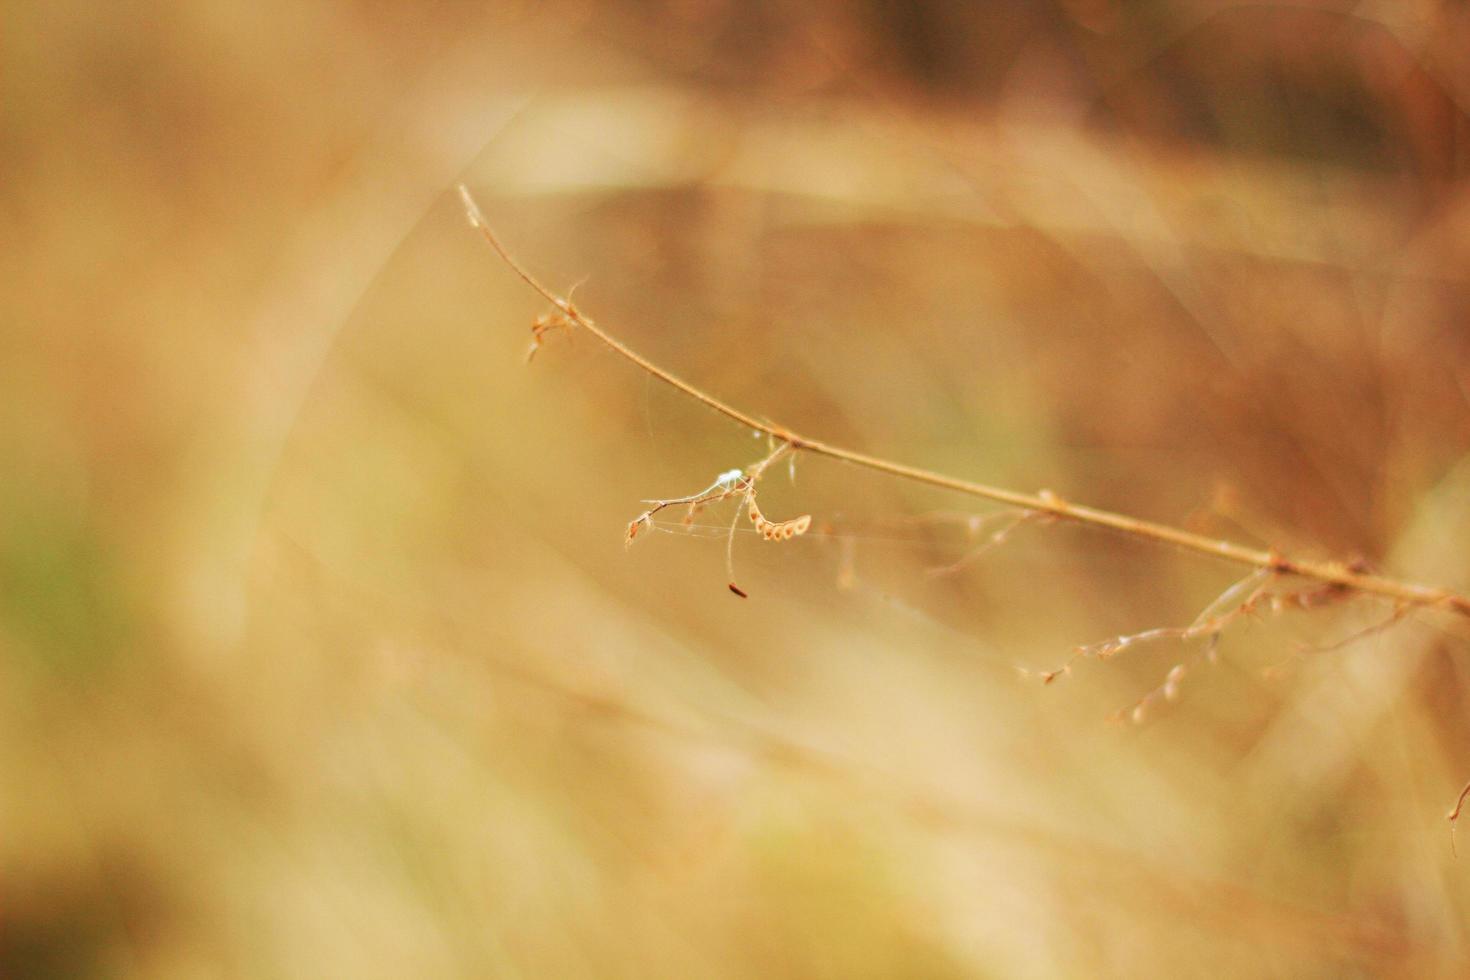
<point x="471" y="209"/>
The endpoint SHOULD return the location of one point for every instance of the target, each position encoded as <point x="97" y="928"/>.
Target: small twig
<point x="770" y="531"/>
<point x="732" y="483"/>
<point x="1334" y="574"/>
<point x="994" y="540"/>
<point x="1454" y="815"/>
<point x="1275" y="670"/>
<point x="726" y="485"/>
<point x="1168" y="690"/>
<point x="1374" y="629"/>
<point x="1210" y="623"/>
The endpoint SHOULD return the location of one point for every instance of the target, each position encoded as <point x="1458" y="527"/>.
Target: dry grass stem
<point x="1350" y="578"/>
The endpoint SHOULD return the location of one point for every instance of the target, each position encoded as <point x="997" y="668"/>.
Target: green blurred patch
<point x="59" y="590"/>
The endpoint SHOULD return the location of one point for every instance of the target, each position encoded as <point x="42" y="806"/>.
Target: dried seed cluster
<point x="776" y="530"/>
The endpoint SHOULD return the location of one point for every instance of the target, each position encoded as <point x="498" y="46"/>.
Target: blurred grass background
<point x="320" y="650"/>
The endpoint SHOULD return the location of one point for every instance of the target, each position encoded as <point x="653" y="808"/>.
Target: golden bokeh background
<point x="321" y="651"/>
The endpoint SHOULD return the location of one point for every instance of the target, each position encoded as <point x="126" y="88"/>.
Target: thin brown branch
<point x="1454" y="816"/>
<point x="1337" y="574"/>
